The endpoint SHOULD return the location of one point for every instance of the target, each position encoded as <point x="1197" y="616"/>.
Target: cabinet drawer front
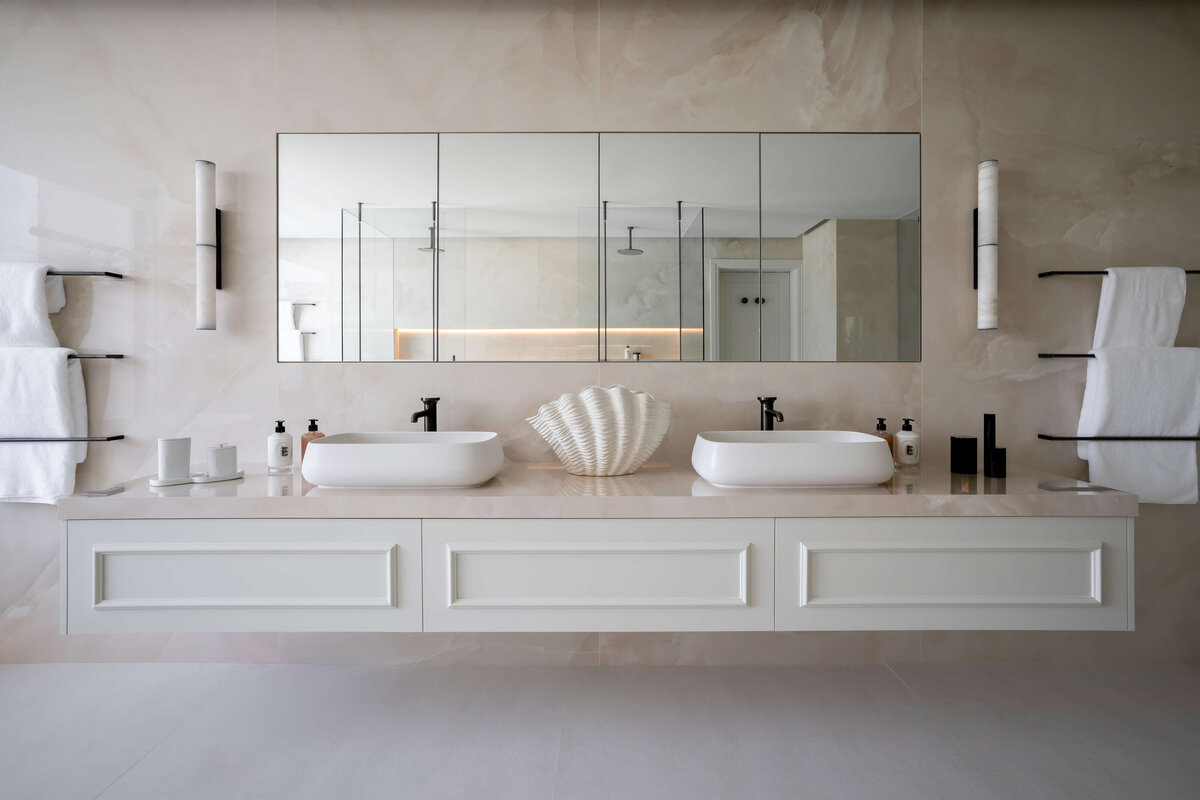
<point x="243" y="575"/>
<point x="954" y="573"/>
<point x="610" y="575"/>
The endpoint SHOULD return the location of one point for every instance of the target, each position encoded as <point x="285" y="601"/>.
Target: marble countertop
<point x="658" y="490"/>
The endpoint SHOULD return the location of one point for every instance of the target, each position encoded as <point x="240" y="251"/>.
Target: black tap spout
<point x="768" y="416"/>
<point x="429" y="413"/>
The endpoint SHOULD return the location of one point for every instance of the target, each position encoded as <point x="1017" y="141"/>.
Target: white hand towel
<point x="41" y="394"/>
<point x="24" y="320"/>
<point x="1143" y="391"/>
<point x="1140" y="307"/>
<point x="56" y="294"/>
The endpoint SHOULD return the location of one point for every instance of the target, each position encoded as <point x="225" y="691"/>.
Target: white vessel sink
<point x="439" y="459"/>
<point x="791" y="458"/>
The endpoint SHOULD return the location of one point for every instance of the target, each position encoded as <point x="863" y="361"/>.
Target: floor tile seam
<point x="221" y="686"/>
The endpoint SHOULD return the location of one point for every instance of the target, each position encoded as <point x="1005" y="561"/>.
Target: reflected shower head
<point x="630" y="250"/>
<point x="432" y="247"/>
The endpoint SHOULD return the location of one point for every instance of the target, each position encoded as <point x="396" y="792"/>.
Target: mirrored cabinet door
<point x="674" y="207"/>
<point x="518" y="277"/>
<point x="356" y="279"/>
<point x="841" y="234"/>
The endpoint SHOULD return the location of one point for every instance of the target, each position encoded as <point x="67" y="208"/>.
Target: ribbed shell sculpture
<point x="603" y="432"/>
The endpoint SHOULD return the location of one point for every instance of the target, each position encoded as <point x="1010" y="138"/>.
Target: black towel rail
<point x="74" y="273"/>
<point x="1054" y="272"/>
<point x="66" y="273"/>
<point x="1066" y="355"/>
<point x="1118" y="438"/>
<point x="10" y="439"/>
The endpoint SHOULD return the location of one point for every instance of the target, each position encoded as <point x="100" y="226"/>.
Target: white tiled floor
<point x="911" y="731"/>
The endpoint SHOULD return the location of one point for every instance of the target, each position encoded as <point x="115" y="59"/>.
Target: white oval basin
<point x="416" y="459"/>
<point x="792" y="458"/>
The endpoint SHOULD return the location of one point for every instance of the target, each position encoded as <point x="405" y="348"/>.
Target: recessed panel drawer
<point x="604" y="575"/>
<point x="950" y="573"/>
<point x="243" y="575"/>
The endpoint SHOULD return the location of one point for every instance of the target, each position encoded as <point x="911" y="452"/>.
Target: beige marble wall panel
<point x="818" y="294"/>
<point x="426" y="65"/>
<point x="772" y="65"/>
<point x="867" y="290"/>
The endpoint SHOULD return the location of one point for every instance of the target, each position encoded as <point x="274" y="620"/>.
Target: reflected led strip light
<point x="541" y="331"/>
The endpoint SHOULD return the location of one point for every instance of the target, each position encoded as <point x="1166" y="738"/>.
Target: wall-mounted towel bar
<point x="62" y="438"/>
<point x="96" y="355"/>
<point x="71" y="273"/>
<point x="1052" y="273"/>
<point x="1066" y="355"/>
<point x="1119" y="438"/>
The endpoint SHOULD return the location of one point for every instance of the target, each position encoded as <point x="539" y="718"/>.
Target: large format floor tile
<point x="1070" y="730"/>
<point x="327" y="732"/>
<point x="738" y="732"/>
<point x="70" y="730"/>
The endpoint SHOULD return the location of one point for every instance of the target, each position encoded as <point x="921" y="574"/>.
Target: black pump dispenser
<point x="279" y="426"/>
<point x="881" y="425"/>
<point x="907" y="426"/>
<point x="312" y="424"/>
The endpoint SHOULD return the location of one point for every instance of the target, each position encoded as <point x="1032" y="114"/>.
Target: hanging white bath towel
<point x="1143" y="391"/>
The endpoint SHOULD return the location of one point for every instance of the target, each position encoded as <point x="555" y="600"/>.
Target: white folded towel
<point x="24" y="320"/>
<point x="1140" y="307"/>
<point x="56" y="294"/>
<point x="41" y="394"/>
<point x="1143" y="391"/>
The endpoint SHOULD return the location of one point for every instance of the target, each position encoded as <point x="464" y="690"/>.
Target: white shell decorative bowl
<point x="603" y="432"/>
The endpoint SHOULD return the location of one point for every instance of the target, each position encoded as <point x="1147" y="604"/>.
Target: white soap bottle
<point x="907" y="445"/>
<point x="279" y="449"/>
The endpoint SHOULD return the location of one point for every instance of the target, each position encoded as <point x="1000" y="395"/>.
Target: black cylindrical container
<point x="964" y="455"/>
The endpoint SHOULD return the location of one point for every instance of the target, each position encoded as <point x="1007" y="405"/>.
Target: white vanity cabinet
<point x="954" y="573"/>
<point x="194" y="575"/>
<point x="538" y="550"/>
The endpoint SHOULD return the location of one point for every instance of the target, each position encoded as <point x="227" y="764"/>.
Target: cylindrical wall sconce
<point x="987" y="246"/>
<point x="208" y="246"/>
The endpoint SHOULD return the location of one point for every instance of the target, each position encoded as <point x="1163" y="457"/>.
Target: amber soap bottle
<point x="310" y="434"/>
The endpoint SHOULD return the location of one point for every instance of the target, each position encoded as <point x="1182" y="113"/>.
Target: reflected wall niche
<point x="476" y="247"/>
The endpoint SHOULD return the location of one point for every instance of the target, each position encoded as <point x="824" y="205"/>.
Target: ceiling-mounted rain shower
<point x="433" y="248"/>
<point x="630" y="250"/>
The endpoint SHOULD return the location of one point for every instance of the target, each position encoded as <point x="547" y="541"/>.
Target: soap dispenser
<point x="311" y="434"/>
<point x="882" y="432"/>
<point x="907" y="450"/>
<point x="279" y="449"/>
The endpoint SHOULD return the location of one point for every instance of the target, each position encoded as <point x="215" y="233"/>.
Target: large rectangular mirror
<point x="585" y="247"/>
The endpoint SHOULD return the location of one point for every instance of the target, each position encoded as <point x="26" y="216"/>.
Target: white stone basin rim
<point x="409" y="459"/>
<point x="783" y="459"/>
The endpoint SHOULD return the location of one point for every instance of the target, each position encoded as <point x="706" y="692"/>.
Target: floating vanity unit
<point x="537" y="549"/>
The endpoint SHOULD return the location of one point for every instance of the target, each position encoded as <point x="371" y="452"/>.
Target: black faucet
<point x="429" y="413"/>
<point x="769" y="415"/>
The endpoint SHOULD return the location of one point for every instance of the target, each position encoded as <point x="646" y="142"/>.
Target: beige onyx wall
<point x="1090" y="109"/>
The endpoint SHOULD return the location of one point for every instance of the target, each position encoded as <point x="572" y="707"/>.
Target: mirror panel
<point x="842" y="212"/>
<point x="671" y="203"/>
<point x="517" y="227"/>
<point x="583" y="246"/>
<point x="352" y="207"/>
